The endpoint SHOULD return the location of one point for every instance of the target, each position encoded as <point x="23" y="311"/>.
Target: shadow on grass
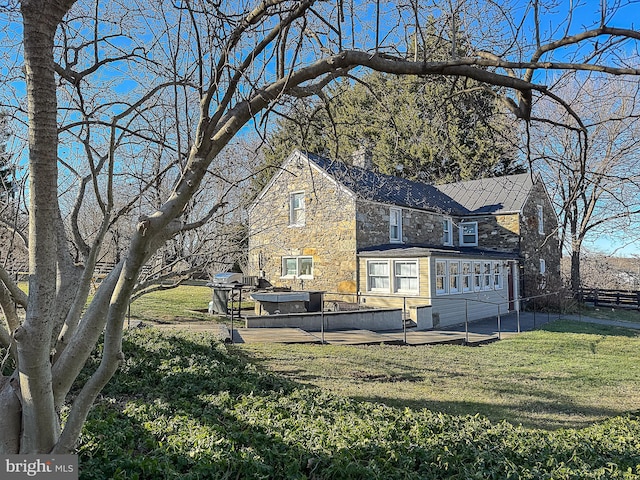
<point x="169" y="412"/>
<point x="183" y="407"/>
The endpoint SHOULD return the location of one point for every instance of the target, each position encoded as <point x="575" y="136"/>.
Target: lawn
<point x="186" y="406"/>
<point x="555" y="403"/>
<point x="610" y="313"/>
<point x="548" y="379"/>
<point x="184" y="303"/>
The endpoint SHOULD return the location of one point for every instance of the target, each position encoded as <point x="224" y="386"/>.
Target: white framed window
<point x="378" y="276"/>
<point x="441" y="277"/>
<point x="543" y="266"/>
<point x="454" y="277"/>
<point x="497" y="276"/>
<point x="395" y="225"/>
<point x="447" y="231"/>
<point x="540" y="211"/>
<point x="477" y="276"/>
<point x="405" y="276"/>
<point x="297" y="267"/>
<point x="469" y="234"/>
<point x="466" y="276"/>
<point x="487" y="277"/>
<point x="467" y="283"/>
<point x="296" y="209"/>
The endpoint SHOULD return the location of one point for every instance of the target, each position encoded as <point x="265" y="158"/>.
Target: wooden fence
<point x="608" y="297"/>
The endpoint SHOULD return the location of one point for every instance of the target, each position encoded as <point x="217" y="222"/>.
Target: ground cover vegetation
<point x="185" y="405"/>
<point x="131" y="111"/>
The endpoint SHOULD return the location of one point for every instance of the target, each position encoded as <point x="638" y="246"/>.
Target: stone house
<point x="468" y="248"/>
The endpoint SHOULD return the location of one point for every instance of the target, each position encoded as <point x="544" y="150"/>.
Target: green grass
<point x="609" y="313"/>
<point x="184" y="303"/>
<point x="548" y="379"/>
<point x="186" y="406"/>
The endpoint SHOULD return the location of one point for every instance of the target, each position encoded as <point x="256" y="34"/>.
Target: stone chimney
<point x="363" y="158"/>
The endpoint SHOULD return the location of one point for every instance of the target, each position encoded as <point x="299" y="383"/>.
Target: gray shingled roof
<point x="489" y="195"/>
<point x="387" y="189"/>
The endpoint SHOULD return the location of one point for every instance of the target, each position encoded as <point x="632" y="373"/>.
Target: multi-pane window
<point x="378" y="276"/>
<point x="447" y="231"/>
<point x="497" y="276"/>
<point x="455" y="276"/>
<point x="441" y="277"/>
<point x="297" y="267"/>
<point x="393" y="276"/>
<point x="477" y="276"/>
<point x="469" y="234"/>
<point x="487" y="276"/>
<point x="543" y="266"/>
<point x="296" y="209"/>
<point x="405" y="276"/>
<point x="395" y="225"/>
<point x="467" y="285"/>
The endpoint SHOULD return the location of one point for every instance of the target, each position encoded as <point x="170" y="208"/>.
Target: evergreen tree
<point x="432" y="129"/>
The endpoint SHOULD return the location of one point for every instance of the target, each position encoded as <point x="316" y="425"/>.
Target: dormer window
<point x="469" y="234"/>
<point x="296" y="209"/>
<point x="395" y="225"/>
<point x="447" y="232"/>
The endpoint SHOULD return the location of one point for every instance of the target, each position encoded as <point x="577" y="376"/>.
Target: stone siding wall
<point x="418" y="227"/>
<point x="535" y="246"/>
<point x="328" y="234"/>
<point x="496" y="232"/>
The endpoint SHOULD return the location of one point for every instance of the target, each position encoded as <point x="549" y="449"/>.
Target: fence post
<point x="466" y="321"/>
<point x="322" y="317"/>
<point x="499" y="327"/>
<point x="518" y="318"/>
<point x="404" y="318"/>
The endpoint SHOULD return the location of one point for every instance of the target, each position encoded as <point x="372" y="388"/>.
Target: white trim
<point x="397" y="213"/>
<point x="390" y="276"/>
<point x="396" y="289"/>
<point x="468" y="275"/>
<point x="444" y="276"/>
<point x="298" y="222"/>
<point x="448" y="242"/>
<point x="385" y="262"/>
<point x="461" y="226"/>
<point x="298" y="259"/>
<point x="482" y="276"/>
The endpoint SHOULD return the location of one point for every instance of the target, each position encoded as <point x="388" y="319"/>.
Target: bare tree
<point x="595" y="180"/>
<point x="112" y="85"/>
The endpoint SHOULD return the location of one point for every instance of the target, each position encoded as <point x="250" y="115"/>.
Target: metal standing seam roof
<point x="490" y="195"/>
<point x="483" y="196"/>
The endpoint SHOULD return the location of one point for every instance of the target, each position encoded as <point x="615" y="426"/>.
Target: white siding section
<point x="452" y="309"/>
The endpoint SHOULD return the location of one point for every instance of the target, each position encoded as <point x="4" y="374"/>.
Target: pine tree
<point x="432" y="129"/>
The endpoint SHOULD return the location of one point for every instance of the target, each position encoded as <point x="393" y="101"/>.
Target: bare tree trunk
<point x="39" y="422"/>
